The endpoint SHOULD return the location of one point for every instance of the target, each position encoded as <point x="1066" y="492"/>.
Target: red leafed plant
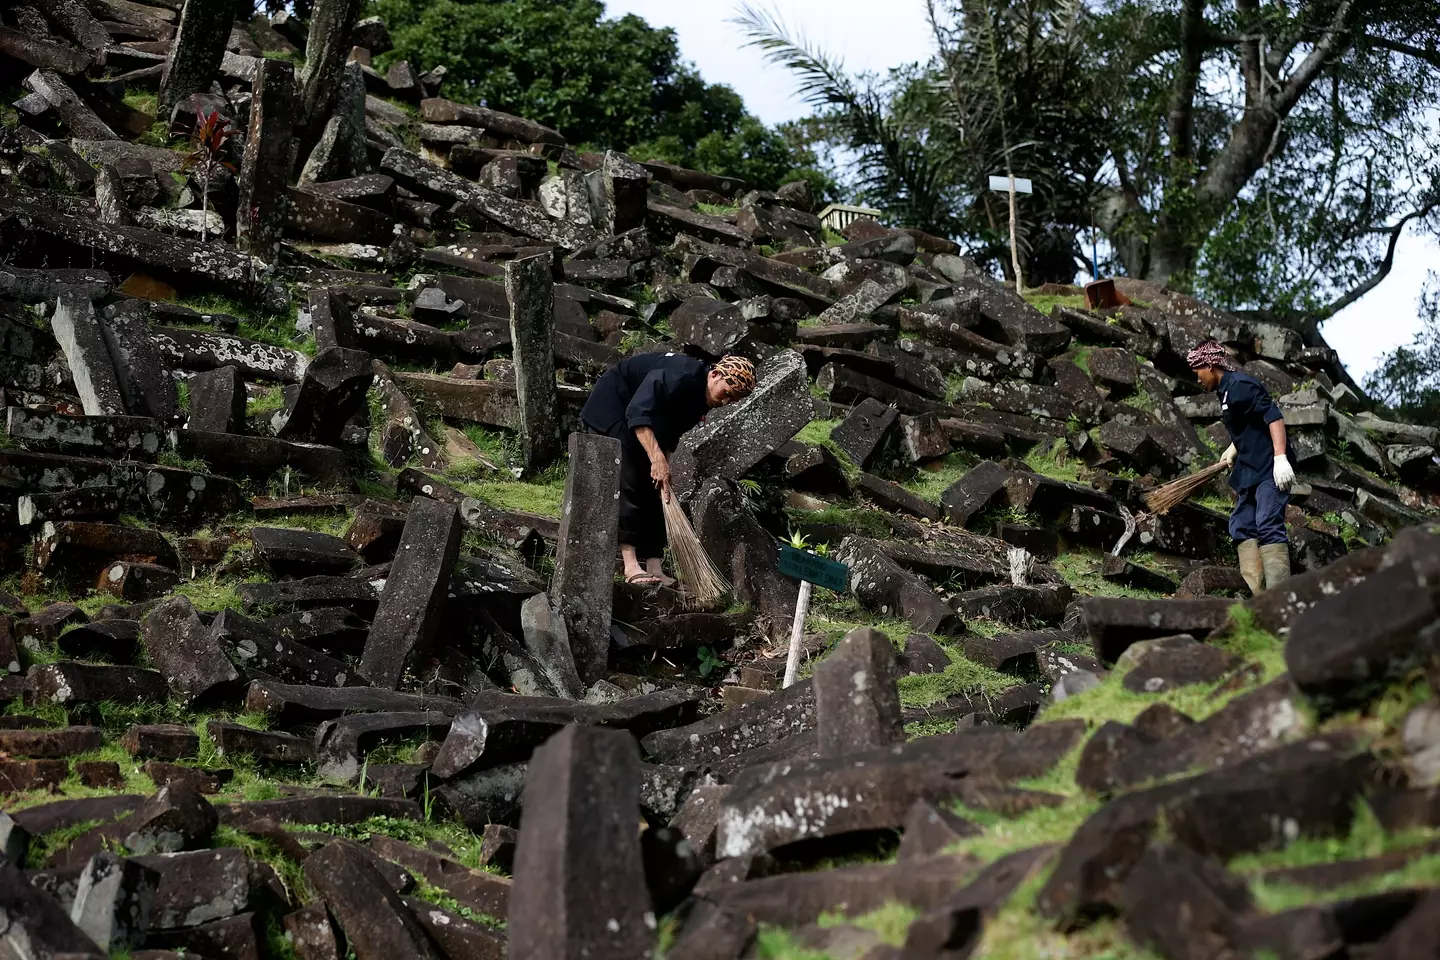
<point x="208" y="156"/>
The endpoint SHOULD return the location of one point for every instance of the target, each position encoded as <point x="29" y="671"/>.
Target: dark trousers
<point x="642" y="518"/>
<point x="1259" y="514"/>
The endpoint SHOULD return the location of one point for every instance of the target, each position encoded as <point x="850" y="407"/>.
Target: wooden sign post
<point x="809" y="569"/>
<point x="1013" y="185"/>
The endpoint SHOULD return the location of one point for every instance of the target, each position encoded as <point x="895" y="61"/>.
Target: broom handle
<point x="797" y="631"/>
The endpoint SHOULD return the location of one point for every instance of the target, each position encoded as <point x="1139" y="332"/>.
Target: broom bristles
<point x="692" y="563"/>
<point x="1160" y="500"/>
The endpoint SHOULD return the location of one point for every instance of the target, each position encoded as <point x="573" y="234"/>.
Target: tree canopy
<point x="605" y="83"/>
<point x="1408" y="379"/>
<point x="1264" y="156"/>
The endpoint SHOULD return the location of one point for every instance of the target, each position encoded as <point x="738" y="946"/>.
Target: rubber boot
<point x="1250" y="566"/>
<point x="1275" y="558"/>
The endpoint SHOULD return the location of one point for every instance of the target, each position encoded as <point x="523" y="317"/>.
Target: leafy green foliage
<point x="709" y="662"/>
<point x="604" y="83"/>
<point x="1407" y="380"/>
<point x="1278" y="182"/>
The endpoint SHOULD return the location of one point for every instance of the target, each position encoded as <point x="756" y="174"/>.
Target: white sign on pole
<point x="1022" y="184"/>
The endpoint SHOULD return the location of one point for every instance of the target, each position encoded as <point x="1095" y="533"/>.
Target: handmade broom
<point x="1161" y="499"/>
<point x="692" y="563"/>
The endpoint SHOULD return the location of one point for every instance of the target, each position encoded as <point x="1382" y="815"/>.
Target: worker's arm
<point x="659" y="465"/>
<point x="1284" y="473"/>
<point x="1277" y="436"/>
<point x="639" y="415"/>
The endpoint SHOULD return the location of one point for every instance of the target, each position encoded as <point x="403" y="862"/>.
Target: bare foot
<point x="652" y="567"/>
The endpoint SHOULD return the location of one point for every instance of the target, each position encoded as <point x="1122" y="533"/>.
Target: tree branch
<point x="1396" y="46"/>
<point x="1250" y="140"/>
<point x="1250" y="55"/>
<point x="1382" y="271"/>
<point x="1335" y="40"/>
<point x="1187" y="79"/>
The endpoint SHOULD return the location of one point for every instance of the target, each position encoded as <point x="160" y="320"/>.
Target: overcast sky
<point x="851" y="29"/>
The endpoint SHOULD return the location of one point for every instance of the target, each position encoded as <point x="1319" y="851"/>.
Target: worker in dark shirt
<point x="647" y="402"/>
<point x="1258" y="452"/>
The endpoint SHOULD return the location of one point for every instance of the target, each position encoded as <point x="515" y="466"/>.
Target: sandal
<point x="644" y="579"/>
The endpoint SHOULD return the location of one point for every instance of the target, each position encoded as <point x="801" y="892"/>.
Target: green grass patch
<point x="962" y="678"/>
<point x="1047" y="302"/>
<point x="1055" y="463"/>
<point x="772" y="943"/>
<point x="444" y="901"/>
<point x="931" y="483"/>
<point x="266" y="402"/>
<point x="544" y="499"/>
<point x="333" y="522"/>
<point x="169" y="458"/>
<point x="1213" y="502"/>
<point x="718" y="209"/>
<point x="43" y="847"/>
<point x="265" y="851"/>
<point x="141" y="100"/>
<point x="816" y="433"/>
<point x="863" y="521"/>
<point x="889" y="922"/>
<point x="1111" y="701"/>
<point x="464" y="844"/>
<point x="1081" y="569"/>
<point x="213" y="594"/>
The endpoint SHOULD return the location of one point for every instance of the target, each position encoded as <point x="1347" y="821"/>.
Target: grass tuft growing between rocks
<point x="930" y="483"/>
<point x="1081" y="569"/>
<point x="1055" y="463"/>
<point x="962" y="678"/>
<point x="859" y="520"/>
<point x="1047" y="302"/>
<point x="817" y="433"/>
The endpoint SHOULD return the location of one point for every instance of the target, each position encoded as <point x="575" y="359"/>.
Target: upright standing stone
<point x="110" y="204"/>
<point x="339" y="151"/>
<point x="585" y="555"/>
<point x="182" y="649"/>
<point x="579" y="887"/>
<point x="217" y="401"/>
<point x="265" y="167"/>
<point x="75" y="326"/>
<point x="623" y="186"/>
<point x="547" y="640"/>
<point x="146" y="383"/>
<point x="529" y="287"/>
<point x="857" y="704"/>
<point x="325" y="51"/>
<point x="414" y="597"/>
<point x="196" y="51"/>
<point x="113" y="901"/>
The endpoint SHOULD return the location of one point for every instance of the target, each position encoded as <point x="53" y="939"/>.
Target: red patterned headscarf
<point x="1210" y="354"/>
<point x="738" y="373"/>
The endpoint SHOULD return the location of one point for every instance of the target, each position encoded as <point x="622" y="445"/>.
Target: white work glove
<point x="1228" y="457"/>
<point x="1284" y="474"/>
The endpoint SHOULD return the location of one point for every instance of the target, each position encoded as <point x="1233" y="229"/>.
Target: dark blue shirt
<point x="662" y="391"/>
<point x="1248" y="411"/>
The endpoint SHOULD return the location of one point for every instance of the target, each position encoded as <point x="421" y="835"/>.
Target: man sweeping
<point x="1258" y="453"/>
<point x="647" y="402"/>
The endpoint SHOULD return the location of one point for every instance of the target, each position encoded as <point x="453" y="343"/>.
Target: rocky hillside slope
<point x="311" y="643"/>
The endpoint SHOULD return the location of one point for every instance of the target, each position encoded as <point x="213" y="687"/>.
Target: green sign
<point x="818" y="570"/>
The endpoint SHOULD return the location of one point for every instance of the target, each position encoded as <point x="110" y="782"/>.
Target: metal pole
<point x="797" y="631"/>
